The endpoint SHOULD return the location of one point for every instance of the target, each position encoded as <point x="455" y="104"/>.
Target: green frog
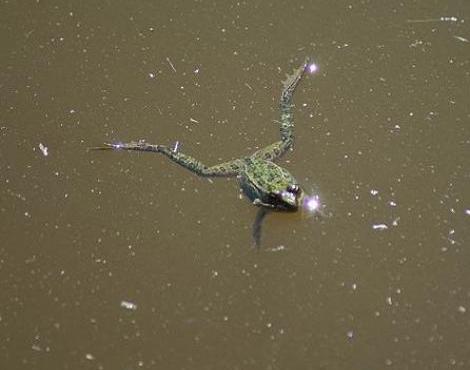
<point x="266" y="184"/>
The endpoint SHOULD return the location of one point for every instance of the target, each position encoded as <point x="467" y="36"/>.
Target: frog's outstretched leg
<point x="227" y="169"/>
<point x="275" y="150"/>
<point x="257" y="224"/>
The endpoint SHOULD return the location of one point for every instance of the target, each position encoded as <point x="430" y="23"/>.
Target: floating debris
<point x="44" y="149"/>
<point x="460" y="38"/>
<point x="89" y="356"/>
<point x="428" y="20"/>
<point x="277" y="249"/>
<point x="171" y="64"/>
<point x="128" y="305"/>
<point x="395" y="221"/>
<point x="380" y="227"/>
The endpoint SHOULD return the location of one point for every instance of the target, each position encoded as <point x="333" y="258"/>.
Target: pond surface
<point x="124" y="260"/>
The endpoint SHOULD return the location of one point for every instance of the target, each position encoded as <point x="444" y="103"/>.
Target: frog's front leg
<point x="258" y="202"/>
<point x="230" y="168"/>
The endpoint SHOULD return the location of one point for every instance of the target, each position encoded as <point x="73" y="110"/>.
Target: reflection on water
<point x="127" y="261"/>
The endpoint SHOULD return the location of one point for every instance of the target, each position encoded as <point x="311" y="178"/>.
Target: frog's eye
<point x="293" y="188"/>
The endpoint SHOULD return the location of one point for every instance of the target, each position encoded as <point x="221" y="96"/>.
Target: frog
<point x="265" y="184"/>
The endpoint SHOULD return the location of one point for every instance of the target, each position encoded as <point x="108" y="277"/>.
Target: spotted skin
<point x="265" y="183"/>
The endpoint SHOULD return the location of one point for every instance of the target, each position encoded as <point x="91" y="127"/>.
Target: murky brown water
<point x="127" y="261"/>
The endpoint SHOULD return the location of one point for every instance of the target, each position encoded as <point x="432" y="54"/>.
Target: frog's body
<point x="263" y="182"/>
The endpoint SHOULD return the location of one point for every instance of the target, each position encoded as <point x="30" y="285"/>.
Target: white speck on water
<point x="89" y="356"/>
<point x="350" y="334"/>
<point x="395" y="221"/>
<point x="389" y="301"/>
<point x="279" y="248"/>
<point x="374" y="192"/>
<point x="392" y="203"/>
<point x="44" y="149"/>
<point x="128" y="305"/>
<point x="462" y="309"/>
<point x="380" y="227"/>
<point x="467" y="212"/>
<point x="152" y="75"/>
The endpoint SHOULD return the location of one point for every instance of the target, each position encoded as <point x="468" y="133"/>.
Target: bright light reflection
<point x="311" y="203"/>
<point x="312" y="68"/>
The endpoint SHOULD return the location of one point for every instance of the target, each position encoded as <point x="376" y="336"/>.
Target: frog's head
<point x="290" y="198"/>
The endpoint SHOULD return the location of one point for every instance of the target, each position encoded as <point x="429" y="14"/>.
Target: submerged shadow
<point x="257" y="225"/>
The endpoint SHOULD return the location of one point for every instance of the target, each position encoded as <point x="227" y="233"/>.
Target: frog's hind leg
<point x="277" y="149"/>
<point x="257" y="225"/>
<point x="227" y="169"/>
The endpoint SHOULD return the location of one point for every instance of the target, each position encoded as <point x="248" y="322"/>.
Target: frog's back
<point x="260" y="177"/>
